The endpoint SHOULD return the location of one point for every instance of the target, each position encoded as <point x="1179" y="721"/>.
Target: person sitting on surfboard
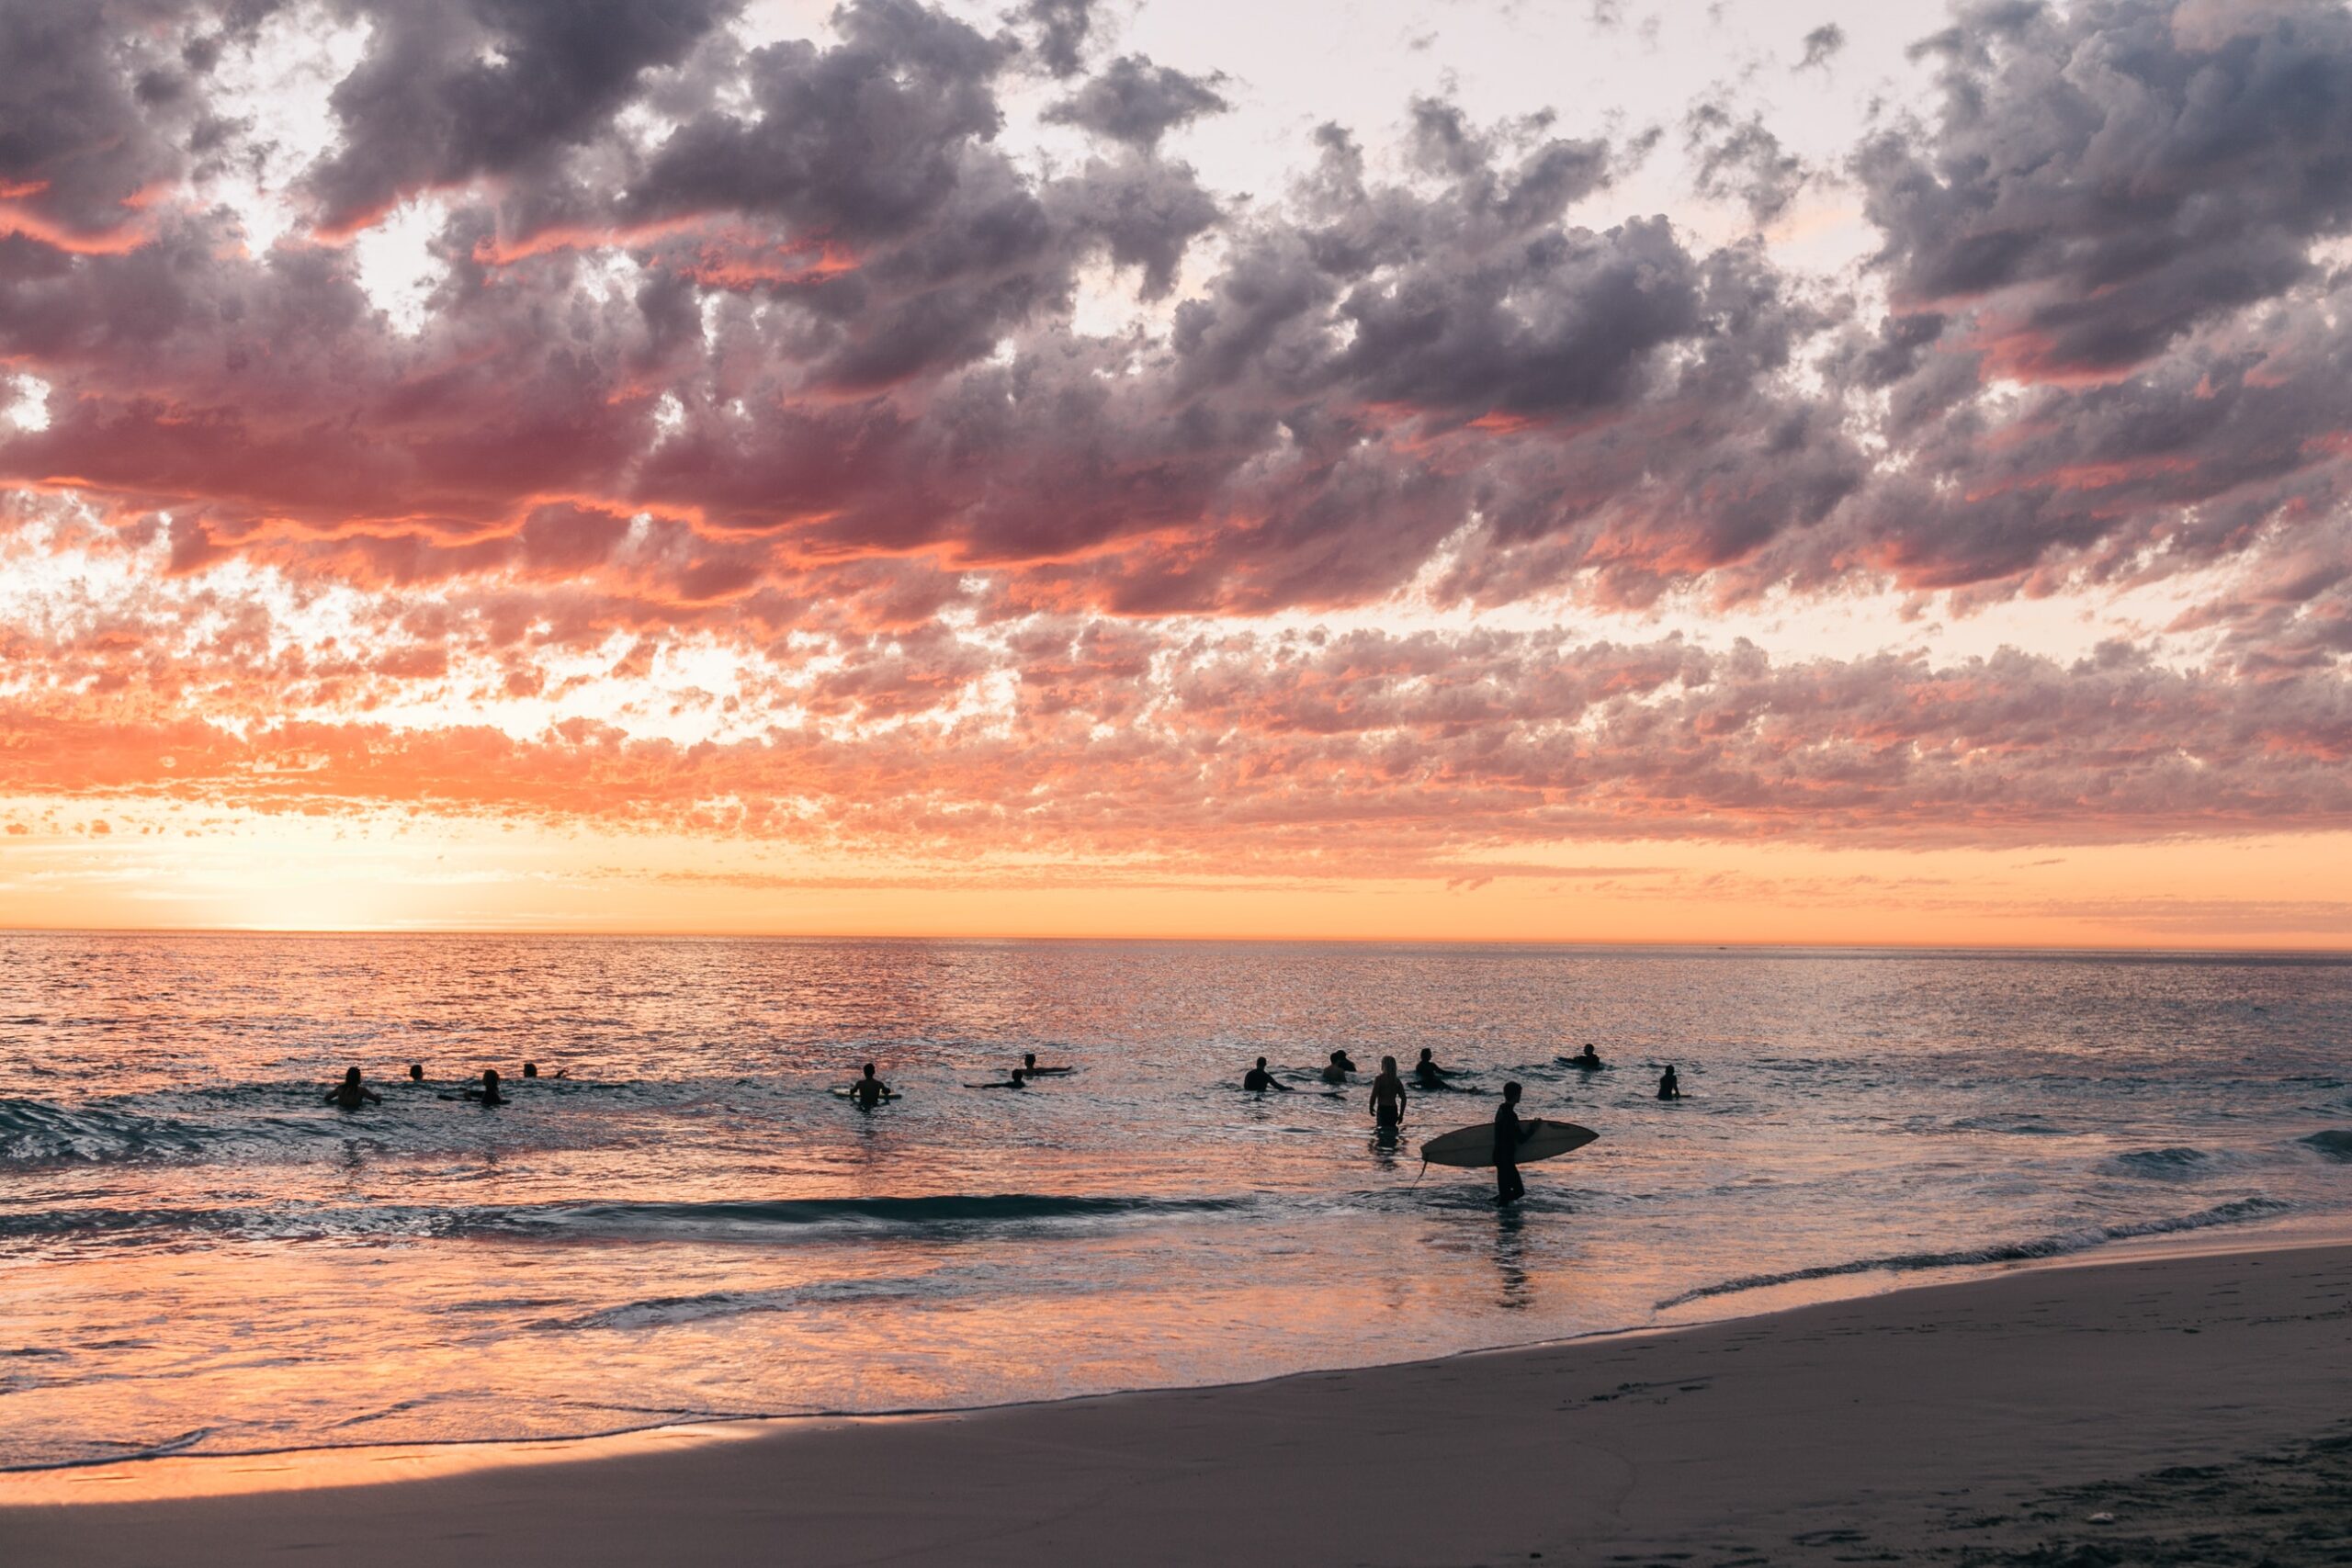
<point x="1388" y="1097"/>
<point x="488" y="1093"/>
<point x="1257" y="1079"/>
<point x="869" y="1091"/>
<point x="1337" y="1068"/>
<point x="1510" y="1133"/>
<point x="1431" y="1074"/>
<point x="1586" y="1059"/>
<point x="1668" y="1086"/>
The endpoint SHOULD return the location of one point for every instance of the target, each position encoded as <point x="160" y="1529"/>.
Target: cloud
<point x="1822" y="45"/>
<point x="1134" y="101"/>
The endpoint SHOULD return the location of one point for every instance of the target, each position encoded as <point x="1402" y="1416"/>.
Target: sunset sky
<point x="1833" y="471"/>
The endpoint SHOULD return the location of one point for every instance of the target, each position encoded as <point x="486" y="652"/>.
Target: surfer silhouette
<point x="488" y="1093"/>
<point x="869" y="1090"/>
<point x="1668" y="1086"/>
<point x="1586" y="1059"/>
<point x="1257" y="1079"/>
<point x="1510" y="1133"/>
<point x="1020" y="1080"/>
<point x="1429" y="1073"/>
<point x="1337" y="1068"/>
<point x="1387" y="1104"/>
<point x="416" y="1072"/>
<point x="351" y="1094"/>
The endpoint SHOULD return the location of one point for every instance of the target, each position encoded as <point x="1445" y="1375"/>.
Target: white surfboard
<point x="1473" y="1148"/>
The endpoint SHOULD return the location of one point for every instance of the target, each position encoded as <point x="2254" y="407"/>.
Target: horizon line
<point x="622" y="934"/>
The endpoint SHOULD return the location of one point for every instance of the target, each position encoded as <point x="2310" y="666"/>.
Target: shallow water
<point x="197" y="1254"/>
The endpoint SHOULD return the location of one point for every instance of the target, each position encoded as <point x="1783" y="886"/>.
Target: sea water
<point x="198" y="1255"/>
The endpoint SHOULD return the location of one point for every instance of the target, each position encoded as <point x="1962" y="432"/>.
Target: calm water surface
<point x="197" y="1254"/>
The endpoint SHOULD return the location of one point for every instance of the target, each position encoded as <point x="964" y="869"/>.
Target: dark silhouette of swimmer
<point x="1020" y="1080"/>
<point x="1510" y="1133"/>
<point x="869" y="1090"/>
<point x="1257" y="1078"/>
<point x="488" y="1093"/>
<point x="1586" y="1059"/>
<point x="530" y="1069"/>
<point x="1668" y="1086"/>
<point x="416" y="1072"/>
<point x="351" y="1094"/>
<point x="1431" y="1074"/>
<point x="1029" y="1065"/>
<point x="1387" y="1103"/>
<point x="1337" y="1068"/>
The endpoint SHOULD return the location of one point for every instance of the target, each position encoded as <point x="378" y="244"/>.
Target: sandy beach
<point x="2172" y="1409"/>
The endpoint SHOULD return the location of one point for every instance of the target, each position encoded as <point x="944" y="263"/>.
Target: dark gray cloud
<point x="1134" y="101"/>
<point x="1063" y="28"/>
<point x="1739" y="159"/>
<point x="451" y="90"/>
<point x="2102" y="181"/>
<point x="1822" y="45"/>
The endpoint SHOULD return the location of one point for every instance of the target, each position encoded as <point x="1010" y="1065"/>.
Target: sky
<point x="1471" y="469"/>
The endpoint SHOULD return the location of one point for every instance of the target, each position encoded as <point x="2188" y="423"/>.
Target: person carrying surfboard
<point x="1387" y="1103"/>
<point x="1510" y="1133"/>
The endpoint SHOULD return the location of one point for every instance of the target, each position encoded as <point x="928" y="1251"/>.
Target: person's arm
<point x="332" y="1094"/>
<point x="373" y="1097"/>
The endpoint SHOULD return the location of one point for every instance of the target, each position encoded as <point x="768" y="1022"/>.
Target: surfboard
<point x="1473" y="1148"/>
<point x="848" y="1091"/>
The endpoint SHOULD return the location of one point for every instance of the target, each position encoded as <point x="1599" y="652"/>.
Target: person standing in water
<point x="1257" y="1079"/>
<point x="869" y="1091"/>
<point x="1668" y="1086"/>
<point x="1388" y="1097"/>
<point x="351" y="1094"/>
<point x="1510" y="1133"/>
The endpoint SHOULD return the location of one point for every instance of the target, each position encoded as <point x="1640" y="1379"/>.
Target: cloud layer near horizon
<point x="746" y="464"/>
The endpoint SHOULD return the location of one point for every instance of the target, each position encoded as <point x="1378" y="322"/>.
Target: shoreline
<point x="172" y="1476"/>
<point x="2279" y="1379"/>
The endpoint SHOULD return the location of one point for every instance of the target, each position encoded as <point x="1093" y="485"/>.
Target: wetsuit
<point x="1509" y="1188"/>
<point x="1257" y="1078"/>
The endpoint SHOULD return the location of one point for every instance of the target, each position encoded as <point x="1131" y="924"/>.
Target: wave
<point x="2336" y="1142"/>
<point x="2243" y="1209"/>
<point x="33" y="1132"/>
<point x="2164" y="1164"/>
<point x="789" y="1218"/>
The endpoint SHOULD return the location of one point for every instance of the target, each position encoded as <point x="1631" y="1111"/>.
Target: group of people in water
<point x="1389" y="1098"/>
<point x="353" y="1091"/>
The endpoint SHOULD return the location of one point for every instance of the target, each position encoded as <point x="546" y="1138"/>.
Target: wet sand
<point x="2202" y="1403"/>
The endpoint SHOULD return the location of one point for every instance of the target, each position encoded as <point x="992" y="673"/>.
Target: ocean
<point x="200" y="1255"/>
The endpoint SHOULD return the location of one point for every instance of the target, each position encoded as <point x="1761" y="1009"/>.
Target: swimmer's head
<point x="1425" y="1053"/>
<point x="416" y="1072"/>
<point x="1262" y="1061"/>
<point x="1511" y="1091"/>
<point x="1020" y="1075"/>
<point x="1387" y="1063"/>
<point x="351" y="1075"/>
<point x="869" y="1070"/>
<point x="530" y="1069"/>
<point x="490" y="1077"/>
<point x="1028" y="1059"/>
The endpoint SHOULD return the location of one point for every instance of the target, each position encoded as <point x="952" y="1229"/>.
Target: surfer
<point x="1257" y="1079"/>
<point x="416" y="1072"/>
<point x="1387" y="1103"/>
<point x="1337" y="1068"/>
<point x="488" y="1093"/>
<point x="1588" y="1058"/>
<point x="1668" y="1086"/>
<point x="869" y="1091"/>
<point x="1029" y="1065"/>
<point x="1431" y="1074"/>
<point x="351" y="1094"/>
<point x="1510" y="1133"/>
<point x="1020" y="1080"/>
